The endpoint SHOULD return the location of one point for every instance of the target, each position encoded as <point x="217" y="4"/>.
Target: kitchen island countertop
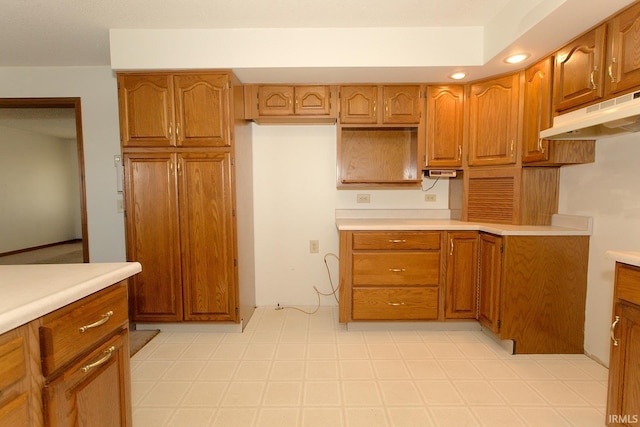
<point x="30" y="291"/>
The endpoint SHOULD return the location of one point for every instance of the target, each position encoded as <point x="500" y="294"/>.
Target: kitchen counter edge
<point x="31" y="291"/>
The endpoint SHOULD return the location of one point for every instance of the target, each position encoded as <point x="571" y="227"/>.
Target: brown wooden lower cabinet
<point x="461" y="299"/>
<point x="94" y="391"/>
<point x="533" y="291"/>
<point x="623" y="403"/>
<point x="528" y="289"/>
<point x="84" y="350"/>
<point x="180" y="227"/>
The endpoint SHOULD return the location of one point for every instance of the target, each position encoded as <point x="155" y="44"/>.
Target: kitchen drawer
<point x="398" y="303"/>
<point x="628" y="283"/>
<point x="13" y="363"/>
<point x="401" y="240"/>
<point x="71" y="330"/>
<point x="396" y="268"/>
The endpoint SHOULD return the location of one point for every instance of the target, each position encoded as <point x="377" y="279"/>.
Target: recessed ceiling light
<point x="517" y="58"/>
<point x="458" y="76"/>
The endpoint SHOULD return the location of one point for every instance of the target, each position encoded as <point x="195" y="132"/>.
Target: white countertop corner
<point x="31" y="291"/>
<point x="625" y="257"/>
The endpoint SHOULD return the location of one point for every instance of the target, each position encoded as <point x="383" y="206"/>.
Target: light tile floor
<point x="292" y="369"/>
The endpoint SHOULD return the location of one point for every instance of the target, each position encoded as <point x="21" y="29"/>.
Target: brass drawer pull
<point x="107" y="355"/>
<point x="105" y="319"/>
<point x="395" y="304"/>
<point x="397" y="241"/>
<point x="613" y="331"/>
<point x="397" y="270"/>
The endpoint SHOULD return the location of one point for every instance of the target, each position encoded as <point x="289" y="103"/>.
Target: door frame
<point x="63" y="103"/>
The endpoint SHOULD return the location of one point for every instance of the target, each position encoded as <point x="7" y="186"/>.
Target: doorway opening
<point x="43" y="183"/>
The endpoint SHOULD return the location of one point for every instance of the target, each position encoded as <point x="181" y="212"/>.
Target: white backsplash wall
<point x="608" y="191"/>
<point x="295" y="198"/>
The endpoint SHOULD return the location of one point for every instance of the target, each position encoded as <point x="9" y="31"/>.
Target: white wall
<point x="38" y="189"/>
<point x="96" y="86"/>
<point x="608" y="191"/>
<point x="295" y="198"/>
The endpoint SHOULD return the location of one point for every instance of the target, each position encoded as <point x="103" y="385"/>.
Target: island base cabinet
<point x="93" y="392"/>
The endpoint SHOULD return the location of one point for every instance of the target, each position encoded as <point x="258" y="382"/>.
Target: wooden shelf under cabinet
<point x="378" y="156"/>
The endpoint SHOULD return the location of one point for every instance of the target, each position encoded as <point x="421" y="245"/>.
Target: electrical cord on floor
<point x="333" y="292"/>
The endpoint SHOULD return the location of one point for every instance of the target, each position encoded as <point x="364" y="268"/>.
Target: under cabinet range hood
<point x="609" y="118"/>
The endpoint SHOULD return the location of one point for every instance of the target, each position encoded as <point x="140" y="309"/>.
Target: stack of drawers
<point x="395" y="275"/>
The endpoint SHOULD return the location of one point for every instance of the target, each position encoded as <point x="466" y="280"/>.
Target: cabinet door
<point x="462" y="270"/>
<point x="578" y="71"/>
<point x="623" y="404"/>
<point x="275" y="100"/>
<point x="208" y="236"/>
<point x="151" y="207"/>
<point x="490" y="281"/>
<point x="623" y="56"/>
<point x="94" y="391"/>
<point x="312" y="100"/>
<point x="444" y="126"/>
<point x="202" y="110"/>
<point x="146" y="110"/>
<point x="401" y="104"/>
<point x="537" y="111"/>
<point x="359" y="104"/>
<point x="493" y="121"/>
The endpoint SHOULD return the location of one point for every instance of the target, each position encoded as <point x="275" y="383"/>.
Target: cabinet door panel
<point x="207" y="236"/>
<point x="312" y="100"/>
<point x="94" y="391"/>
<point x="358" y="104"/>
<point x="146" y="110"/>
<point x="202" y="110"/>
<point x="401" y="104"/>
<point x="444" y="126"/>
<point x="537" y="111"/>
<point x="462" y="271"/>
<point x="275" y="100"/>
<point x="578" y="72"/>
<point x="152" y="236"/>
<point x="490" y="281"/>
<point x="493" y="121"/>
<point x="624" y="372"/>
<point x="624" y="52"/>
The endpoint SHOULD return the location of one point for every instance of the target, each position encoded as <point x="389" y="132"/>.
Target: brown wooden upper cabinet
<point x="282" y="103"/>
<point x="537" y="110"/>
<point x="360" y="104"/>
<point x="493" y="121"/>
<point x="445" y="126"/>
<point x="623" y="54"/>
<point x="579" y="70"/>
<point x="165" y="109"/>
<point x="601" y="64"/>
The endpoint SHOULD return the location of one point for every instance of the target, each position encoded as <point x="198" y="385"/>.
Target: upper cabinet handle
<point x="459" y="152"/>
<point x="591" y="78"/>
<point x="611" y="76"/>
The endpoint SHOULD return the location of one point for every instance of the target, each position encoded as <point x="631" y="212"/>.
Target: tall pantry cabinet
<point x="177" y="135"/>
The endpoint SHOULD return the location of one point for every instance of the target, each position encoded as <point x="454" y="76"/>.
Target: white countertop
<point x="30" y="291"/>
<point x="562" y="225"/>
<point x="626" y="257"/>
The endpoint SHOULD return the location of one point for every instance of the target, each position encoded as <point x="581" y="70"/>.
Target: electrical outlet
<point x="363" y="198"/>
<point x="120" y="205"/>
<point x="314" y="246"/>
<point x="429" y="197"/>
